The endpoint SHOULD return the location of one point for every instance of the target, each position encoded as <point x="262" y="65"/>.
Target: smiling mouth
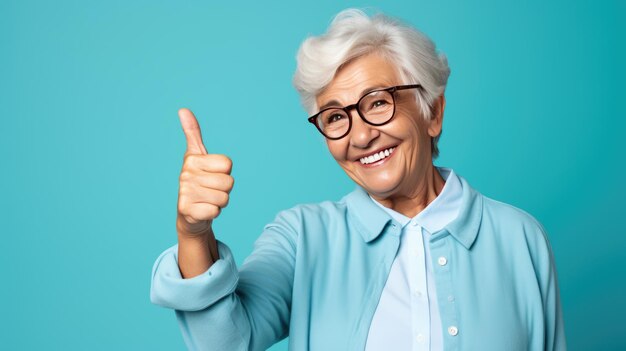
<point x="377" y="156"/>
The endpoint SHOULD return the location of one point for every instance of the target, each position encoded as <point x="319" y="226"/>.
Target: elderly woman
<point x="413" y="259"/>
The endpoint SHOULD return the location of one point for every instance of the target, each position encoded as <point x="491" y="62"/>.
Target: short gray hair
<point x="353" y="34"/>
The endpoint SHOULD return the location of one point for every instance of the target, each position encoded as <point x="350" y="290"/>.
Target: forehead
<point x="357" y="77"/>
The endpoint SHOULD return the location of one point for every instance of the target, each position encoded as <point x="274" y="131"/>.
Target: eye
<point x="379" y="103"/>
<point x="335" y="117"/>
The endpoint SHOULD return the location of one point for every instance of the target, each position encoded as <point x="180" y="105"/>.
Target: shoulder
<point x="306" y="214"/>
<point x="306" y="222"/>
<point x="514" y="224"/>
<point x="495" y="210"/>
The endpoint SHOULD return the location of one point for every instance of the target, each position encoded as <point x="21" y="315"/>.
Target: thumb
<point x="191" y="128"/>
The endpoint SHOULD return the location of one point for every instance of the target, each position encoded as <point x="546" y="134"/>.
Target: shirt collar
<point x="441" y="211"/>
<point x="370" y="219"/>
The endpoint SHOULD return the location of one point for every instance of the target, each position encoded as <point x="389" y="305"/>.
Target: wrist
<point x="197" y="240"/>
<point x="200" y="231"/>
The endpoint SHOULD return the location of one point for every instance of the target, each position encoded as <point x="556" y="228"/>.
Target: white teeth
<point x="376" y="157"/>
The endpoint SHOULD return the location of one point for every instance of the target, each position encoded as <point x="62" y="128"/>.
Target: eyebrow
<point x="335" y="103"/>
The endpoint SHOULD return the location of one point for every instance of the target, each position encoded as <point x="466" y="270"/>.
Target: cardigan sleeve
<point x="226" y="308"/>
<point x="555" y="330"/>
<point x="545" y="271"/>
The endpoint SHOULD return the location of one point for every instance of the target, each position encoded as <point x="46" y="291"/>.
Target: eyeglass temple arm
<point x="410" y="86"/>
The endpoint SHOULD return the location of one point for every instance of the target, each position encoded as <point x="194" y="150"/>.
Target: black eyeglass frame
<point x="346" y="109"/>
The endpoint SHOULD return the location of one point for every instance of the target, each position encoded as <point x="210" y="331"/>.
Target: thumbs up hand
<point x="205" y="182"/>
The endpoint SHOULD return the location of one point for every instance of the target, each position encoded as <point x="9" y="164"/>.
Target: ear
<point x="436" y="121"/>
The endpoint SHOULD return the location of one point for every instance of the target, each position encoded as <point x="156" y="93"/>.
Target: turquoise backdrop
<point x="91" y="147"/>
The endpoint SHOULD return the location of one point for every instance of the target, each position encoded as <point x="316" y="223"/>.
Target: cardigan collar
<point x="371" y="220"/>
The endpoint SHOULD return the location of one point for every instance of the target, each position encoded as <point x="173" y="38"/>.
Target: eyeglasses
<point x="375" y="108"/>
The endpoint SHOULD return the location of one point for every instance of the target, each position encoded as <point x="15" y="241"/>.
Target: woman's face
<point x="407" y="136"/>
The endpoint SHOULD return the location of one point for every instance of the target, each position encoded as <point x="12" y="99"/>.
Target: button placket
<point x="441" y="255"/>
<point x="419" y="285"/>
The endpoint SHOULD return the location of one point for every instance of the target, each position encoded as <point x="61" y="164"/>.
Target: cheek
<point x="406" y="129"/>
<point x="415" y="127"/>
<point x="336" y="149"/>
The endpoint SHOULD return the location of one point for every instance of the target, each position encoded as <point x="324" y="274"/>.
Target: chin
<point x="382" y="189"/>
<point x="378" y="182"/>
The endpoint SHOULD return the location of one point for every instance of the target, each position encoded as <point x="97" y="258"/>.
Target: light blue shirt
<point x="317" y="273"/>
<point x="409" y="298"/>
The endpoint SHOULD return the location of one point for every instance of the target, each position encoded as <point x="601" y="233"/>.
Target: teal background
<point x="91" y="147"/>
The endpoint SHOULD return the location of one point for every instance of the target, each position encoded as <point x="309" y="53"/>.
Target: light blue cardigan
<point x="317" y="272"/>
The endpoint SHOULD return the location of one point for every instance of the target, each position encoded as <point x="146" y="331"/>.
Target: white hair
<point x="353" y="34"/>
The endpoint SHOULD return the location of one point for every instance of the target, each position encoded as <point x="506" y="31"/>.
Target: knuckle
<point x="182" y="208"/>
<point x="185" y="175"/>
<point x="224" y="199"/>
<point x="191" y="161"/>
<point x="228" y="161"/>
<point x="213" y="211"/>
<point x="183" y="190"/>
<point x="230" y="182"/>
<point x="225" y="162"/>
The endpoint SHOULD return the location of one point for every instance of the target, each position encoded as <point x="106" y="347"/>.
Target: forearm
<point x="247" y="310"/>
<point x="209" y="312"/>
<point x="196" y="251"/>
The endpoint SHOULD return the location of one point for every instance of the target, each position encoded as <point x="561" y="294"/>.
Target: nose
<point x="362" y="134"/>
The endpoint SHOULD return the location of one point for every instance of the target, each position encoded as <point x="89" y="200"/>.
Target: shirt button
<point x="414" y="223"/>
<point x="451" y="298"/>
<point x="442" y="261"/>
<point x="452" y="330"/>
<point x="418" y="293"/>
<point x="420" y="338"/>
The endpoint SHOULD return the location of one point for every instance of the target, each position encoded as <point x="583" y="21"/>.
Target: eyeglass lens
<point x="376" y="108"/>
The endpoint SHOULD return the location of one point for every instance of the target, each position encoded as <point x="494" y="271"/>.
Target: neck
<point x="428" y="188"/>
